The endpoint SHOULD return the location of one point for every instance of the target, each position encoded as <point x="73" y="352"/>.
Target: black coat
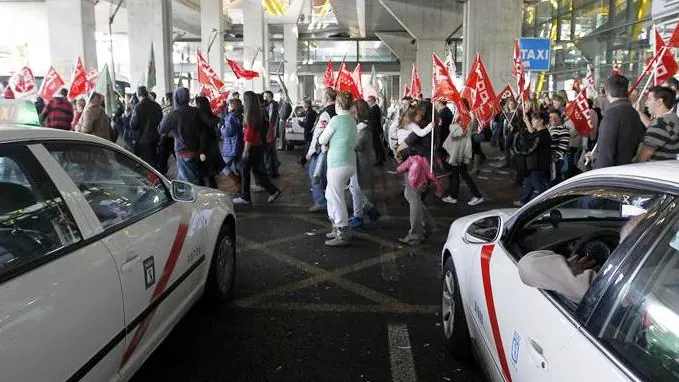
<point x="214" y="163"/>
<point x="620" y="133"/>
<point x="375" y="119"/>
<point x="145" y="121"/>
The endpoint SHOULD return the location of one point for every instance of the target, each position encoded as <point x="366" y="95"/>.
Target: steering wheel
<point x="597" y="245"/>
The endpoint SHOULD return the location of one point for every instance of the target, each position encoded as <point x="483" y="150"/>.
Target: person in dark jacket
<point x="271" y="162"/>
<point x="535" y="144"/>
<point x="620" y="130"/>
<point x="375" y="122"/>
<point x="214" y="164"/>
<point x="232" y="133"/>
<point x="190" y="136"/>
<point x="145" y="120"/>
<point x="309" y="121"/>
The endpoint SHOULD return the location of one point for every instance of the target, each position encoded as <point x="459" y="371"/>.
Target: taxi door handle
<point x="130" y="264"/>
<point x="536" y="354"/>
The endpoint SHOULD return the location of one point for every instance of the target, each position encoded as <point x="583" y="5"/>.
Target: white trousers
<point x="338" y="179"/>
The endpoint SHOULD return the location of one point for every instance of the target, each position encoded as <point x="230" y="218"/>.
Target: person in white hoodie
<point x="318" y="184"/>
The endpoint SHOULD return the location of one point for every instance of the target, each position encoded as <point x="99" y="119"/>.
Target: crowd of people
<point x="346" y="139"/>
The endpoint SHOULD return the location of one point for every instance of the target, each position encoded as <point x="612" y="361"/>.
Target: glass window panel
<point x="590" y="17"/>
<point x="545" y="12"/>
<point x="544" y="30"/>
<point x="565" y="28"/>
<point x="322" y="51"/>
<point x="565" y="5"/>
<point x="621" y="7"/>
<point x="374" y="51"/>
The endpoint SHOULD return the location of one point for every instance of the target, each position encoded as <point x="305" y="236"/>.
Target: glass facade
<point x="310" y="52"/>
<point x="598" y="32"/>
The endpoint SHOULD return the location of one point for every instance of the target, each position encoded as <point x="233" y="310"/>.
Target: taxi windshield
<point x="18" y="112"/>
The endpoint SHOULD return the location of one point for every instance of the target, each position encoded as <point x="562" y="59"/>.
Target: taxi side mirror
<point x="482" y="231"/>
<point x="183" y="192"/>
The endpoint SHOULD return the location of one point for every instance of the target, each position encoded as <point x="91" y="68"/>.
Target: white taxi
<point x="624" y="325"/>
<point x="100" y="255"/>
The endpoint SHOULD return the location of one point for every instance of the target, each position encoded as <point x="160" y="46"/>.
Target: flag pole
<point x="433" y="118"/>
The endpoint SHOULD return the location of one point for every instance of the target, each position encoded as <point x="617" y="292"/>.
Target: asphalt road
<point x="304" y="312"/>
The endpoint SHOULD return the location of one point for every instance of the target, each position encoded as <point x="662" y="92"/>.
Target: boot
<point x="332" y="234"/>
<point x="341" y="238"/>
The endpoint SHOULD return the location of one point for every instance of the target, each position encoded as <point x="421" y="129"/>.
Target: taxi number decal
<point x="149" y="272"/>
<point x="516" y="345"/>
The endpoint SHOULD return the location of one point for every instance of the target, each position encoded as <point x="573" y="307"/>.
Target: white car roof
<point x="11" y="133"/>
<point x="666" y="171"/>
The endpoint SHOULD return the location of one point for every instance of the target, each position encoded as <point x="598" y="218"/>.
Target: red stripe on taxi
<point x="486" y="254"/>
<point x="177" y="246"/>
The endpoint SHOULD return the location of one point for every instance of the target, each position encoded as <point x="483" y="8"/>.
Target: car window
<point x="34" y="219"/>
<point x="117" y="187"/>
<point x="644" y="327"/>
<point x="611" y="204"/>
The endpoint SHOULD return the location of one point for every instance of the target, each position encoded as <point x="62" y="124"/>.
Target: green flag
<point x="151" y="71"/>
<point x="105" y="87"/>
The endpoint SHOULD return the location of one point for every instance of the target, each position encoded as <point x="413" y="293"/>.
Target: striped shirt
<point x="59" y="113"/>
<point x="663" y="136"/>
<point x="561" y="138"/>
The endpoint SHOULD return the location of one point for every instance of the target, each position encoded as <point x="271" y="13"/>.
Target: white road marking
<point x="401" y="354"/>
<point x="345" y="308"/>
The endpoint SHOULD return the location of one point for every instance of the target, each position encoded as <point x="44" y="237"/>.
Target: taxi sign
<point x="18" y="112"/>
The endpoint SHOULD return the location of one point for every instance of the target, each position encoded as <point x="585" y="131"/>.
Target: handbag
<point x="321" y="166"/>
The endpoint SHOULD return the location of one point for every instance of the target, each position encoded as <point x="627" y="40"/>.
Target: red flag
<point x="674" y="39"/>
<point x="519" y="71"/>
<point x="415" y="83"/>
<point x="665" y="66"/>
<point x="22" y="83"/>
<point x="406" y="91"/>
<point x="445" y="89"/>
<point x="576" y="85"/>
<point x="590" y="88"/>
<point x="217" y="103"/>
<point x="50" y="84"/>
<point x="485" y="102"/>
<point x="470" y="83"/>
<point x="91" y="76"/>
<point x="79" y="84"/>
<point x="507" y="93"/>
<point x="578" y="112"/>
<point x="240" y="71"/>
<point x="329" y="77"/>
<point x="206" y="75"/>
<point x="356" y="76"/>
<point x="345" y="82"/>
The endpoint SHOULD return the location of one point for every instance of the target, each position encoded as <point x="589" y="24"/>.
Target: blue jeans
<point x="317" y="186"/>
<point x="187" y="169"/>
<point x="536" y="182"/>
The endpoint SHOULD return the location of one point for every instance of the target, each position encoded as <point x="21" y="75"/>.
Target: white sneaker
<point x="449" y="199"/>
<point x="475" y="201"/>
<point x="240" y="200"/>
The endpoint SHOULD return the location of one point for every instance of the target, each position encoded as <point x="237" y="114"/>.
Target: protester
<point x="213" y="164"/>
<point x="375" y="122"/>
<point x="94" y="120"/>
<point x="146" y="117"/>
<point x="39" y="104"/>
<point x="602" y="101"/>
<point x="254" y="136"/>
<point x="361" y="183"/>
<point x="232" y="134"/>
<point x="319" y="183"/>
<point x="165" y="141"/>
<point x="661" y="141"/>
<point x="535" y="145"/>
<point x="271" y="162"/>
<point x="190" y="136"/>
<point x="310" y="116"/>
<point x="458" y="148"/>
<point x="80" y="104"/>
<point x="58" y="114"/>
<point x="620" y="130"/>
<point x="339" y="141"/>
<point x="560" y="137"/>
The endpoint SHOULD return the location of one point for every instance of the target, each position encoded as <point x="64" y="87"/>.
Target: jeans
<point x="536" y="182"/>
<point x="271" y="162"/>
<point x="253" y="163"/>
<point x="419" y="215"/>
<point x="454" y="181"/>
<point x="317" y="185"/>
<point x="187" y="169"/>
<point x="358" y="197"/>
<point x="338" y="178"/>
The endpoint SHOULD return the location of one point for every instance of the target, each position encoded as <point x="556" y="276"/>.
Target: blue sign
<point x="535" y="53"/>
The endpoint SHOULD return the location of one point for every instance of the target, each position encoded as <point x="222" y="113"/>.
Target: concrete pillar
<point x="406" y="69"/>
<point x="211" y="30"/>
<point x="425" y="48"/>
<point x="150" y="21"/>
<point x="71" y="26"/>
<point x="254" y="38"/>
<point x="290" y="36"/>
<point x="493" y="40"/>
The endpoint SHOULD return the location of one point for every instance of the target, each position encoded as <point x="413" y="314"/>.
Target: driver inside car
<point x="570" y="277"/>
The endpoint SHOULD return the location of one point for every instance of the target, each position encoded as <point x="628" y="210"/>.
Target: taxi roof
<point x="663" y="171"/>
<point x="19" y="133"/>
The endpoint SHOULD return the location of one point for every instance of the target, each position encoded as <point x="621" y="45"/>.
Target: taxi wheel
<point x="455" y="330"/>
<point x="222" y="274"/>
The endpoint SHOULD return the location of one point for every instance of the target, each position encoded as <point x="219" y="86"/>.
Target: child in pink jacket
<point x="419" y="174"/>
<point x="418" y="178"/>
